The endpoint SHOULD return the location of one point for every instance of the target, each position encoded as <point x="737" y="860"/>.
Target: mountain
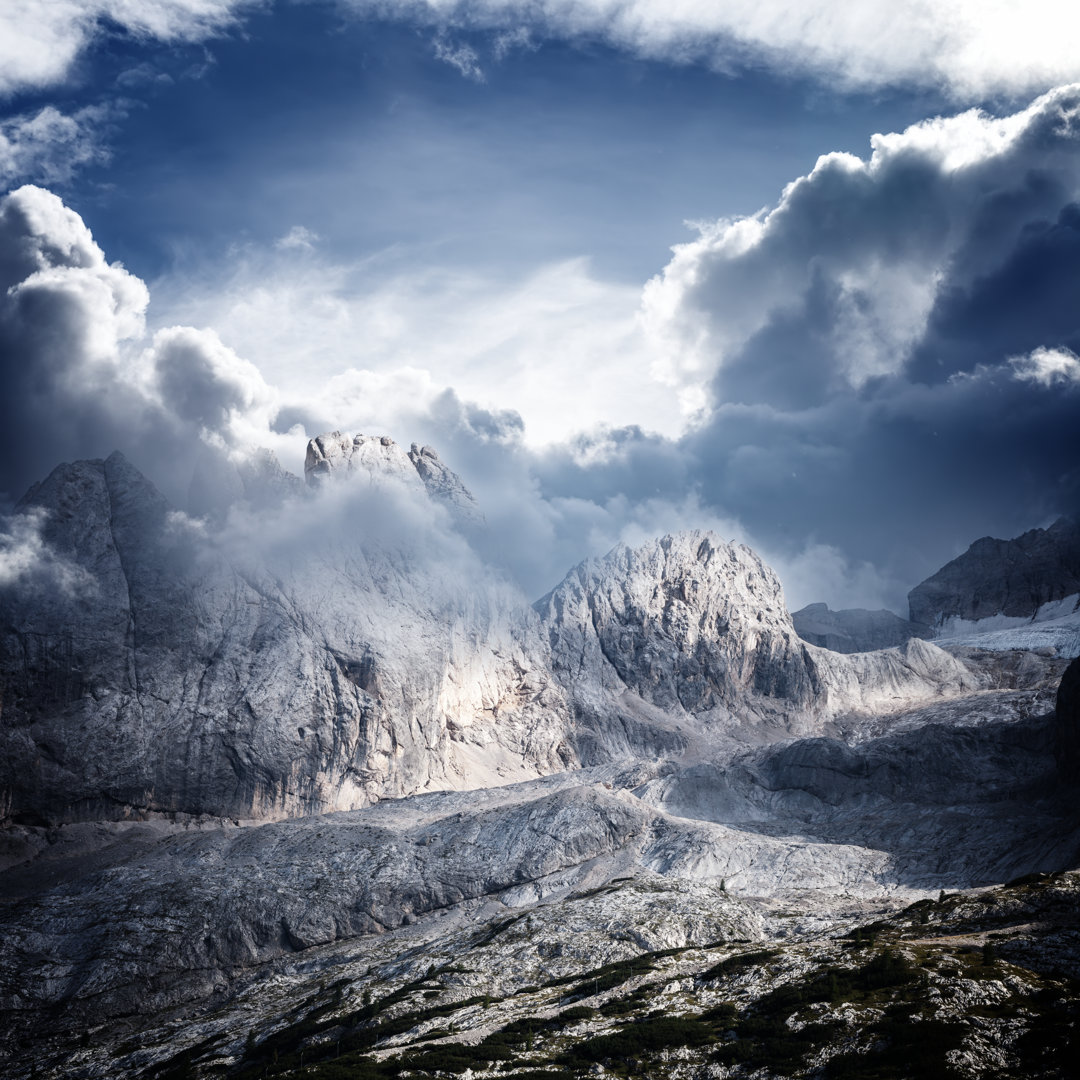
<point x="1025" y="592"/>
<point x="853" y="629"/>
<point x="264" y="672"/>
<point x="301" y="775"/>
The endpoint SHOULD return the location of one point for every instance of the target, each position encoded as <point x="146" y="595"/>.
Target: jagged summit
<point x="379" y="459"/>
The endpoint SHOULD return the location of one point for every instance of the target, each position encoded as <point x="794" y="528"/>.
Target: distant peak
<point x="381" y="459"/>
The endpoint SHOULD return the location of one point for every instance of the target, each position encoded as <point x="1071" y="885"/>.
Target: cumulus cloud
<point x="970" y="48"/>
<point x="867" y="267"/>
<point x="82" y="379"/>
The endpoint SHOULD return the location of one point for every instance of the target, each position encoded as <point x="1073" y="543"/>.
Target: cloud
<point x="878" y="369"/>
<point x="297" y="238"/>
<point x="1047" y="367"/>
<point x="27" y="560"/>
<point x="461" y="56"/>
<point x="970" y="49"/>
<point x="374" y="345"/>
<point x="39" y="42"/>
<point x="864" y="269"/>
<point x="81" y="377"/>
<point x="49" y="146"/>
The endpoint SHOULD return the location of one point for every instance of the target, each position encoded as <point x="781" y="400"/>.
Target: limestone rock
<point x="691" y="625"/>
<point x="214" y="676"/>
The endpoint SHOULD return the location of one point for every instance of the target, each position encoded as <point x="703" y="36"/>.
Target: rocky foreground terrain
<point x="294" y="784"/>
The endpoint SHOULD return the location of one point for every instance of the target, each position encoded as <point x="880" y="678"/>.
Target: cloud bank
<point x="971" y="49"/>
<point x="968" y="48"/>
<point x="877" y="370"/>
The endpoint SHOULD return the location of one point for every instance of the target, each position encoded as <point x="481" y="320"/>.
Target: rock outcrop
<point x="1067" y="722"/>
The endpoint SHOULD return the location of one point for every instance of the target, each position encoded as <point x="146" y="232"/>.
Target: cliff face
<point x="215" y="676"/>
<point x="1013" y="579"/>
<point x="313" y="649"/>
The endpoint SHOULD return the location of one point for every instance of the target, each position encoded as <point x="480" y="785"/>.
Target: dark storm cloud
<point x="80" y="377"/>
<point x="861" y="346"/>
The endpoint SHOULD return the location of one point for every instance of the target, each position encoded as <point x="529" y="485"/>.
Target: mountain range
<point x="293" y="769"/>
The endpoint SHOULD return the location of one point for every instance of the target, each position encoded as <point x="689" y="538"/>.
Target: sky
<point x="807" y="274"/>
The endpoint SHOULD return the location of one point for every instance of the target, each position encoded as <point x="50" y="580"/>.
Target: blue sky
<point x="455" y="223"/>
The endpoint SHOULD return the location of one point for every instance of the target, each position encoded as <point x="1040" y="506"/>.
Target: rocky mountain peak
<point x="1012" y="579"/>
<point x="379" y="459"/>
<point x="686" y="621"/>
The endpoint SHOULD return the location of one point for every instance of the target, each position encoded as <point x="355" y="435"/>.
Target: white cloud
<point x="299" y="237"/>
<point x="203" y="382"/>
<point x="49" y="145"/>
<point x="970" y="48"/>
<point x="26" y="558"/>
<point x="40" y="39"/>
<point x="1047" y="367"/>
<point x="366" y="347"/>
<point x="460" y="55"/>
<point x="81" y="379"/>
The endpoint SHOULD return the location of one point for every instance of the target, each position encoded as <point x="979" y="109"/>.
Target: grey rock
<point x="691" y="625"/>
<point x="1067" y="722"/>
<point x="853" y="630"/>
<point x="445" y="485"/>
<point x="201" y="678"/>
<point x="1010" y="578"/>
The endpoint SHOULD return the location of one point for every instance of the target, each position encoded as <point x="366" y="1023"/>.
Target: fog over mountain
<point x="539" y="540"/>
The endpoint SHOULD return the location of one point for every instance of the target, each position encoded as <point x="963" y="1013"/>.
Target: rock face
<point x="691" y="626"/>
<point x="198" y="678"/>
<point x="274" y="667"/>
<point x="415" y="750"/>
<point x="853" y="629"/>
<point x="1014" y="579"/>
<point x="1067" y="722"/>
